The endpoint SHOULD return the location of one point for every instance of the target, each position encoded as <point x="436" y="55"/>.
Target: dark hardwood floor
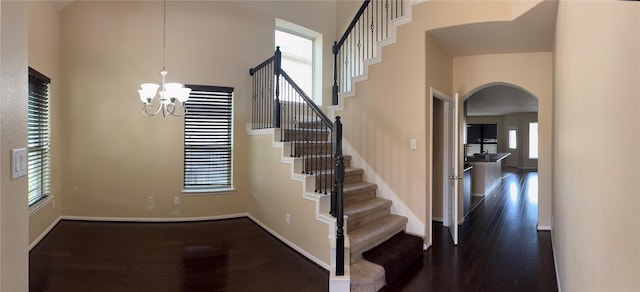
<point x="499" y="250"/>
<point x="226" y="255"/>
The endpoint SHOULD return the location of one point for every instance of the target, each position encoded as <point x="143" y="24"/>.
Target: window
<point x="513" y="139"/>
<point x="301" y="56"/>
<point x="208" y="139"/>
<point x="297" y="58"/>
<point x="38" y="159"/>
<point x="533" y="140"/>
<point x="482" y="138"/>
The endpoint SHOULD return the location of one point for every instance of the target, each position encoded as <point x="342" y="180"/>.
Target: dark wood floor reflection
<point x="499" y="250"/>
<point x="226" y="255"/>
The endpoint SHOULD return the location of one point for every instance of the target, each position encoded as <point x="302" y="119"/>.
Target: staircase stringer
<point x="375" y="60"/>
<point x="414" y="226"/>
<point x="322" y="207"/>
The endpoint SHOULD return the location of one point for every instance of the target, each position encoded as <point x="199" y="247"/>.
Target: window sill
<point x="207" y="192"/>
<point x="39" y="204"/>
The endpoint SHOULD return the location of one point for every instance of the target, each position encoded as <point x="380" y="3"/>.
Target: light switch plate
<point x="412" y="144"/>
<point x="18" y="163"/>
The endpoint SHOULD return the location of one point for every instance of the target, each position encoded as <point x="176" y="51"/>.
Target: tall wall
<point x="114" y="156"/>
<point x="44" y="56"/>
<point x="386" y="114"/>
<point x="532" y="72"/>
<point x="597" y="146"/>
<point x="14" y="220"/>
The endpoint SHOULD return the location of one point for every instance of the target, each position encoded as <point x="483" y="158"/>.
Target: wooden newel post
<point x="277" y="61"/>
<point x="338" y="189"/>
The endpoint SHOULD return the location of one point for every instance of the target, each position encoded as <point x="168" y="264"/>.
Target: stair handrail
<point x="361" y="44"/>
<point x="273" y="69"/>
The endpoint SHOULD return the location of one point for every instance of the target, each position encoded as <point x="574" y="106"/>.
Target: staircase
<point x="368" y="218"/>
<point x="372" y="241"/>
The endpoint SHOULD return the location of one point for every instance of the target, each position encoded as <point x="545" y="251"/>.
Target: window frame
<point x="317" y="49"/>
<point x="216" y="127"/>
<point x="537" y="139"/>
<point x="39" y="133"/>
<point x="483" y="139"/>
<point x="513" y="130"/>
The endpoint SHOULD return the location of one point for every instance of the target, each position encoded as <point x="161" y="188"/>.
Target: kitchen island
<point x="487" y="172"/>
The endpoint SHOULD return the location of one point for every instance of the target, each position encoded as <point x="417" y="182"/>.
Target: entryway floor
<point x="500" y="248"/>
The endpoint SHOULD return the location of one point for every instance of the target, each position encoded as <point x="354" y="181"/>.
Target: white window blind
<point x="208" y="138"/>
<point x="39" y="165"/>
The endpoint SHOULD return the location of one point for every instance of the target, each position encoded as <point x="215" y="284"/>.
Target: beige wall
<point x="384" y="115"/>
<point x="521" y="121"/>
<point x="596" y="195"/>
<point x="44" y="56"/>
<point x="274" y="194"/>
<point x="14" y="220"/>
<point x="531" y="72"/>
<point x="114" y="156"/>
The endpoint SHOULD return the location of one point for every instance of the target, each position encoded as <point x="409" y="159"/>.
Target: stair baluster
<point x="307" y="129"/>
<point x="359" y="42"/>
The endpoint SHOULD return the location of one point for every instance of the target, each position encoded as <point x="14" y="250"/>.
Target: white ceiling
<point x="500" y="100"/>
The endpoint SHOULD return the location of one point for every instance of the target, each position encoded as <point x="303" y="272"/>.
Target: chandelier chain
<point x="164" y="33"/>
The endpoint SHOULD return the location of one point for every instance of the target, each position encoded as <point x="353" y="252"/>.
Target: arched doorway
<point x="499" y="120"/>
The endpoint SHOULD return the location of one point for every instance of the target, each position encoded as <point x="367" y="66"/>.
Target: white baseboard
<point x="414" y="225"/>
<point x="182" y="219"/>
<point x="44" y="233"/>
<point x="555" y="263"/>
<point x="543" y="228"/>
<point x="308" y="255"/>
<point x="156" y="219"/>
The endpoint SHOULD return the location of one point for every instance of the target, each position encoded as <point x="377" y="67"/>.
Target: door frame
<point x="448" y="128"/>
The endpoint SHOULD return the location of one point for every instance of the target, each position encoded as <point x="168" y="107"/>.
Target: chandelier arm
<point x="146" y="107"/>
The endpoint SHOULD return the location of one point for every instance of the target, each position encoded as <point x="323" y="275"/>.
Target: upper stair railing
<point x="360" y="41"/>
<point x="279" y="103"/>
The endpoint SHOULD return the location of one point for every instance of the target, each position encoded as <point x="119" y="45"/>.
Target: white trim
<point x="339" y="283"/>
<point x="543" y="228"/>
<point x="437" y="219"/>
<point x="155" y="219"/>
<point x="44" y="233"/>
<point x="377" y="59"/>
<point x="555" y="263"/>
<point x="291" y="244"/>
<point x="414" y="225"/>
<point x="40" y="204"/>
<point x="182" y="219"/>
<point x="208" y="192"/>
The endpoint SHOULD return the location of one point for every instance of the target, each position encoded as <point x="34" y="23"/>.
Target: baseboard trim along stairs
<point x="369" y="222"/>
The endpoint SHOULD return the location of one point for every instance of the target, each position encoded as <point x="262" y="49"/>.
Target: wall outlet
<point x="288" y="218"/>
<point x="150" y="200"/>
<point x="176" y="200"/>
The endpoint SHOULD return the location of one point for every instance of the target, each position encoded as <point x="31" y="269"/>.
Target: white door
<point x="453" y="166"/>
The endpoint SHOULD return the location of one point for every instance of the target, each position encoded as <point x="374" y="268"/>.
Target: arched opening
<point x="500" y="120"/>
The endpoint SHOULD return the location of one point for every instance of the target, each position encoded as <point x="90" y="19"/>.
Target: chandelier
<point x="172" y="96"/>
